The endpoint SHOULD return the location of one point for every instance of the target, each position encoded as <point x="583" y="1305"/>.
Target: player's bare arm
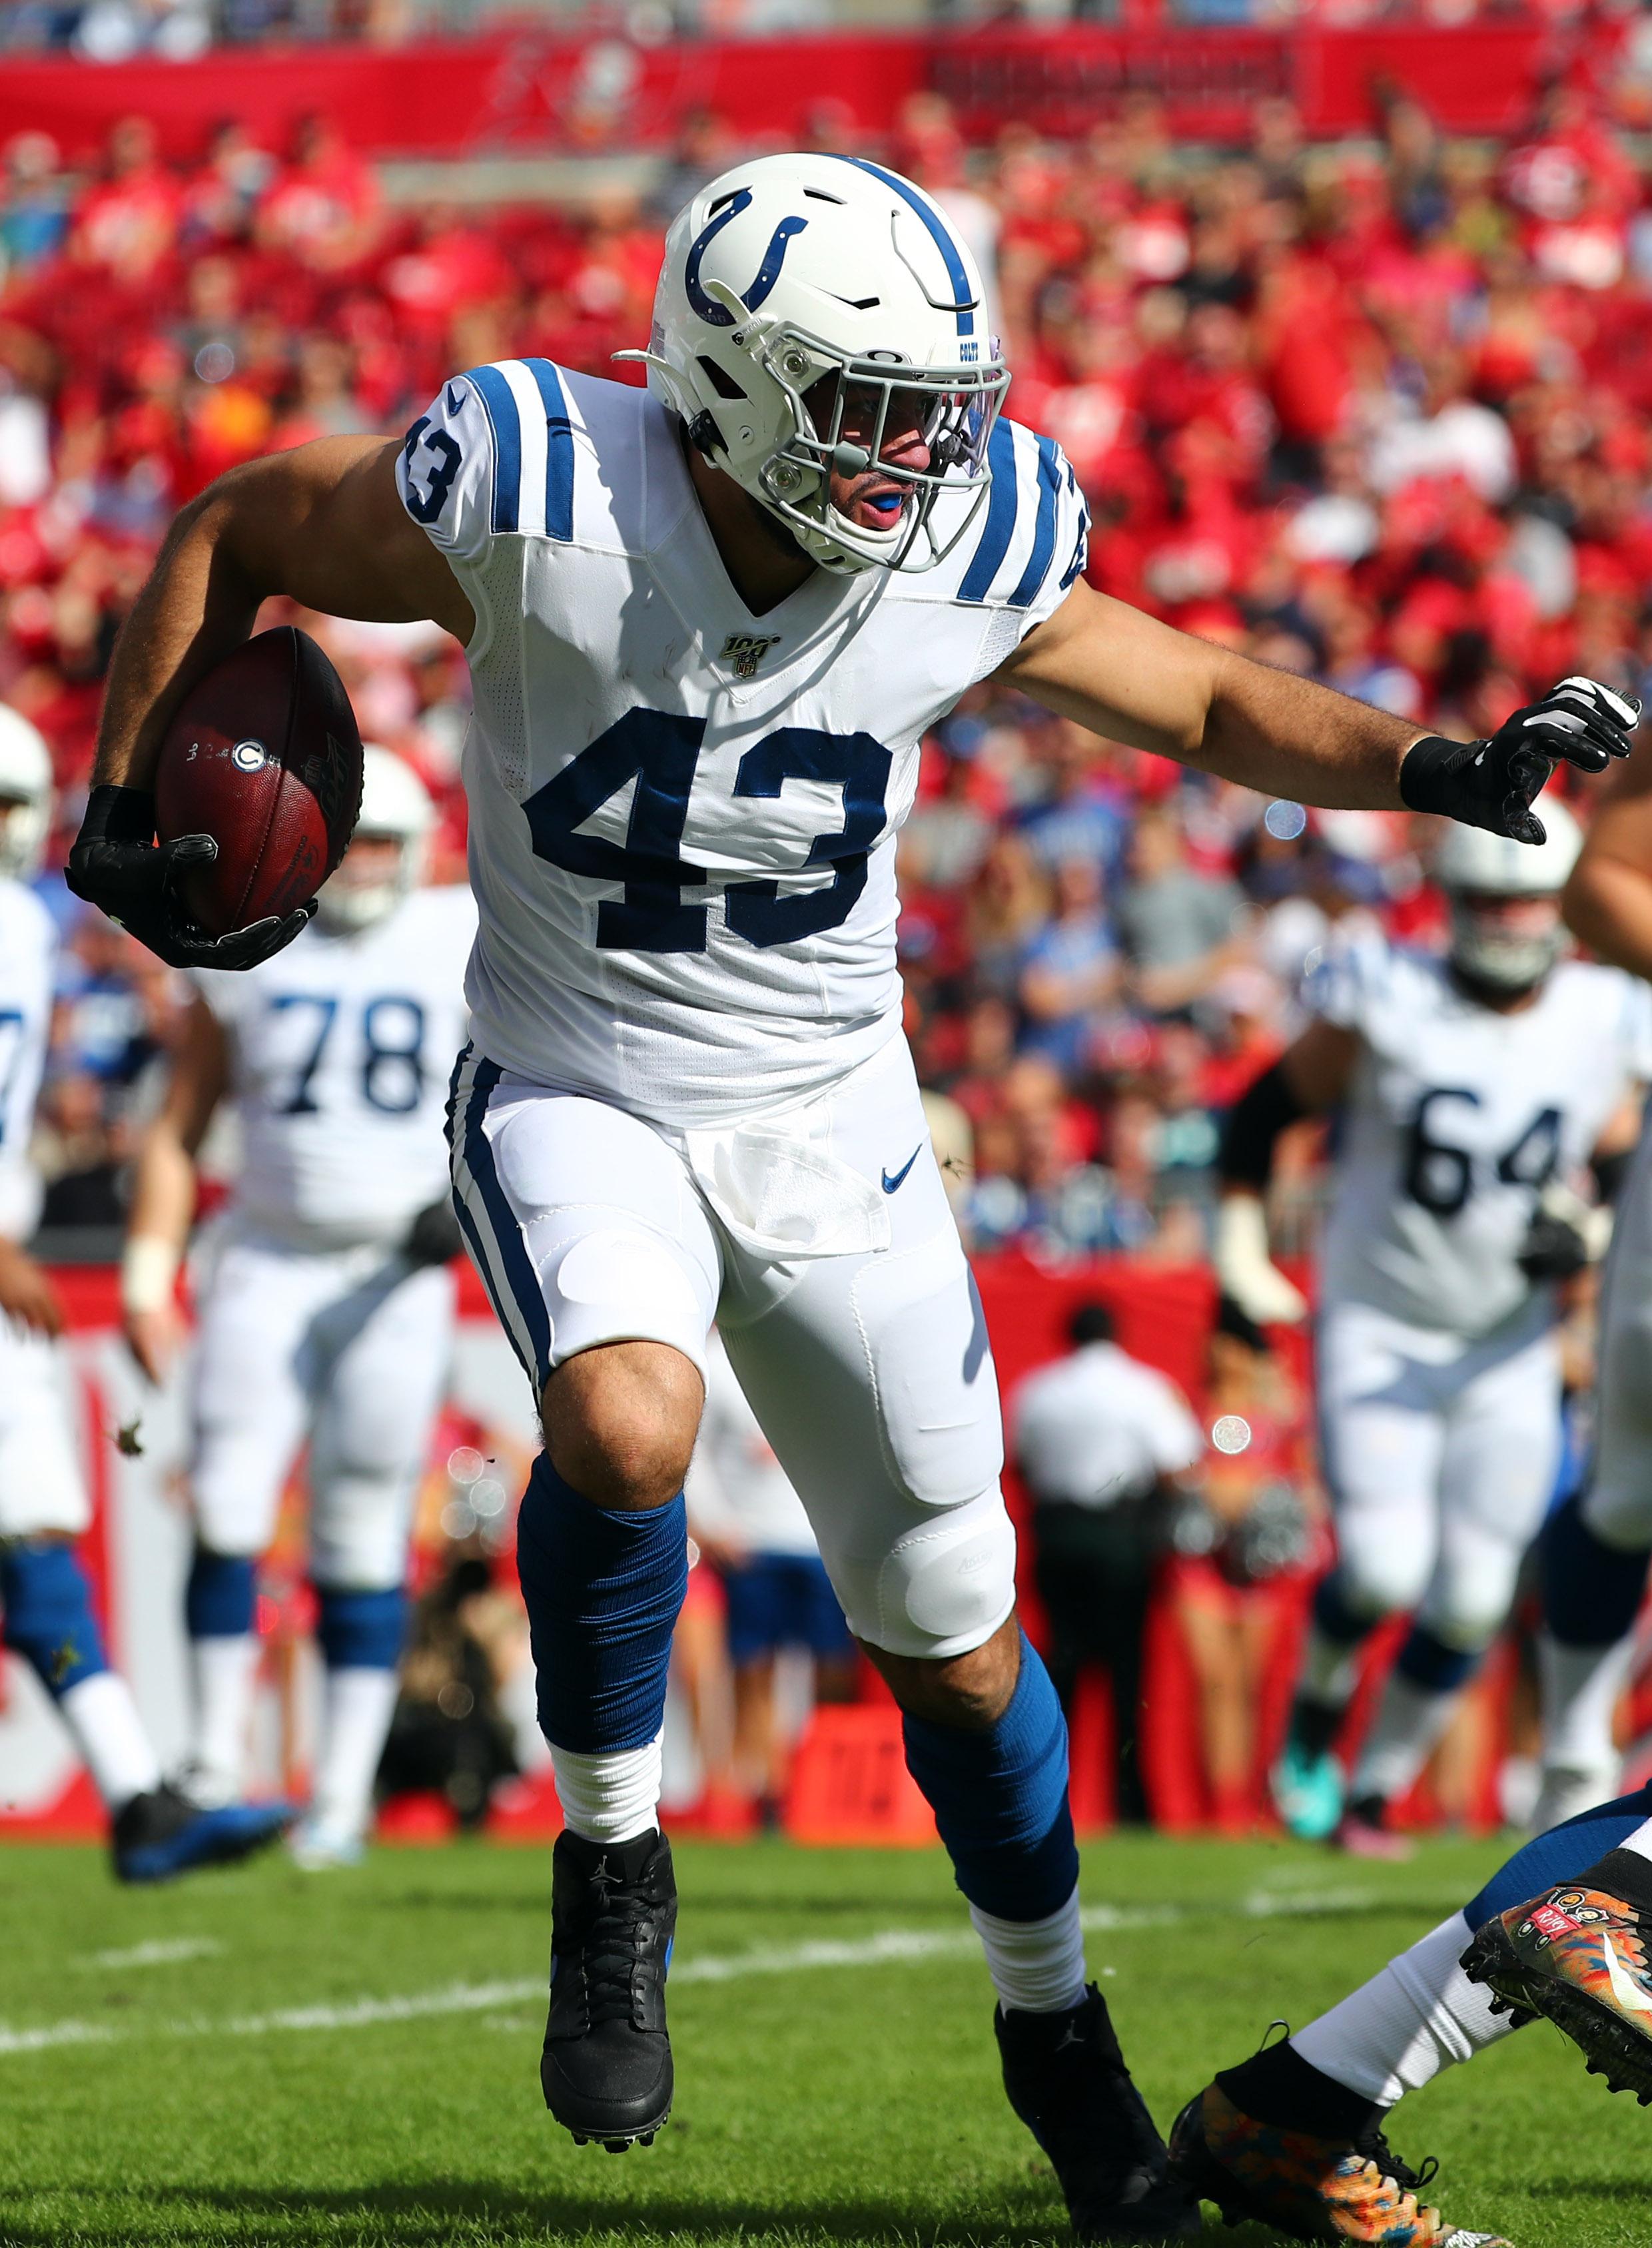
<point x="1126" y="675"/>
<point x="321" y="524"/>
<point x="1312" y="1076"/>
<point x="1607" y="903"/>
<point x="163" y="1192"/>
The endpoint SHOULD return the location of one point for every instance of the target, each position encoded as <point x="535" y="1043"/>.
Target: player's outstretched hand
<point x="1491" y="784"/>
<point x="434" y="1236"/>
<point x="116" y="863"/>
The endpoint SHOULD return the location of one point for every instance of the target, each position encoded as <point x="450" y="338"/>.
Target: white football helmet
<point x="25" y="796"/>
<point x="1470" y="864"/>
<point x="790" y="270"/>
<point x="396" y="807"/>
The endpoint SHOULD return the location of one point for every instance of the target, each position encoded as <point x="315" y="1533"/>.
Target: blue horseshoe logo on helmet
<point x="719" y="316"/>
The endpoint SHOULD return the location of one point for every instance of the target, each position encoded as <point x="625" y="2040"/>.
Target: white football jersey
<point x="683" y="816"/>
<point x="1457" y="1117"/>
<point x="28" y="951"/>
<point x="737" y="1488"/>
<point x="341" y="1047"/>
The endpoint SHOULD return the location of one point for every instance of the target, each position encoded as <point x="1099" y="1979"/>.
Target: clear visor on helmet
<point x="904" y="434"/>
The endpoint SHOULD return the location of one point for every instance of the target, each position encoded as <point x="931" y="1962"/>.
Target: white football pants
<point x="43" y="1492"/>
<point x="868" y="1367"/>
<point x="1440" y="1457"/>
<point x="347" y="1349"/>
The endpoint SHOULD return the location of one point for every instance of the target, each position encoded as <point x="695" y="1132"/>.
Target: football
<point x="264" y="755"/>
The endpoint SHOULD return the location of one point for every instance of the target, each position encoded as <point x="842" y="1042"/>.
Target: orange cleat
<point x="1309" y="2187"/>
<point x="1579" y="1957"/>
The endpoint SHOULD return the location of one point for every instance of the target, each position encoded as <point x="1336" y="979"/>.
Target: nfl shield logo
<point x="745" y="651"/>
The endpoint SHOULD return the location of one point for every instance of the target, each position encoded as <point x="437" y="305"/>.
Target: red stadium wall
<point x="525" y="92"/>
<point x="1163" y="1315"/>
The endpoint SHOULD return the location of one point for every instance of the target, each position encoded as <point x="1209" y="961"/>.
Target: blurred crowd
<point x="1373" y="412"/>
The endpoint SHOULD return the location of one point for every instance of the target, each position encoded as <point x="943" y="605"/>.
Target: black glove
<point x="434" y="1236"/>
<point x="1553" y="1250"/>
<point x="116" y="863"/>
<point x="1491" y="784"/>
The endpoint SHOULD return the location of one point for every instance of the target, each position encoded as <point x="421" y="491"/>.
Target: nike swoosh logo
<point x="890" y="1184"/>
<point x="454" y="402"/>
<point x="1627" y="1993"/>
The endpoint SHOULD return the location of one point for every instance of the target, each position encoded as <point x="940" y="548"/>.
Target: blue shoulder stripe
<point x="964" y="302"/>
<point x="1003" y="506"/>
<point x="500" y="407"/>
<point x="559" y="450"/>
<point x="1044" y="531"/>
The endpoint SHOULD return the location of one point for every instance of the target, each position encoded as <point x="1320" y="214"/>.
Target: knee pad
<point x="931" y="1370"/>
<point x="48" y="1613"/>
<point x="362" y="1631"/>
<point x="236" y="1496"/>
<point x="1376" y="1576"/>
<point x="944" y="1588"/>
<point x="359" y="1531"/>
<point x="620" y="1283"/>
<point x="1464" y="1623"/>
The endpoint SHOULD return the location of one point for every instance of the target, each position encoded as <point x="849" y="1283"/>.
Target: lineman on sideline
<point x="708" y="624"/>
<point x="44" y="1508"/>
<point x="1476" y="1087"/>
<point x="326" y="1310"/>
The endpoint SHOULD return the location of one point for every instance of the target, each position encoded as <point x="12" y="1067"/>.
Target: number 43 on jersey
<point x="659" y="749"/>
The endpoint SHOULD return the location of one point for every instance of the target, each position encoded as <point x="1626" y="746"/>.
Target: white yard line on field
<point x="888" y="1947"/>
<point x="171" y="1954"/>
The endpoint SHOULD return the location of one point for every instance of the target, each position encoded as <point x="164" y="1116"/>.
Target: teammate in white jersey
<point x="747" y="1519"/>
<point x="1473" y="1090"/>
<point x="326" y="1311"/>
<point x="45" y="1601"/>
<point x="708" y="626"/>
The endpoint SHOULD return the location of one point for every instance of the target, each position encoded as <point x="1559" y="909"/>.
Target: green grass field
<point x="263" y="2056"/>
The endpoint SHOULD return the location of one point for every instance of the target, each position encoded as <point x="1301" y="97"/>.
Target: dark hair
<point x="1238" y="1325"/>
<point x="1091" y="1322"/>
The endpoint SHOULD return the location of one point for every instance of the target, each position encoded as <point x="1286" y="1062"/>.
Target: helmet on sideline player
<point x="25" y="796"/>
<point x="1483" y="876"/>
<point x="790" y="270"/>
<point x="395" y="808"/>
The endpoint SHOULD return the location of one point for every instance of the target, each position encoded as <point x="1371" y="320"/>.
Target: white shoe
<point x="320" y="1848"/>
<point x="1566" y="1791"/>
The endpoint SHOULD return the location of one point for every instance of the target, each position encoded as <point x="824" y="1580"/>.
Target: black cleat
<point x="606" y="2064"/>
<point x="1067" y="2081"/>
<point x="159" y="1836"/>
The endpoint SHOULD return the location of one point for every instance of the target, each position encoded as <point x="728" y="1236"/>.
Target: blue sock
<point x="48" y="1614"/>
<point x="603" y="1587"/>
<point x="1334" y="1617"/>
<point x="218" y="1603"/>
<point x="1430" y="1664"/>
<point x="1591" y="1591"/>
<point x="1000" y="1799"/>
<point x="362" y="1631"/>
<point x="1559" y="1855"/>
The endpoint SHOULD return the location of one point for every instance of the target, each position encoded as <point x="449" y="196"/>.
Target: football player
<point x="45" y="1600"/>
<point x="708" y="625"/>
<point x="325" y="1312"/>
<point x="1473" y="1090"/>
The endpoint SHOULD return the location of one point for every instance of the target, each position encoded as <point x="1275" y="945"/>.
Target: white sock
<point x="1420" y="2015"/>
<point x="1580" y="1690"/>
<point x="103" y="1718"/>
<point x="612" y="1796"/>
<point x="1640" y="1841"/>
<point x="1037" y="1966"/>
<point x="357" y="1706"/>
<point x="225" y="1671"/>
<point x="1409" y="1720"/>
<point x="1330" y="1670"/>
